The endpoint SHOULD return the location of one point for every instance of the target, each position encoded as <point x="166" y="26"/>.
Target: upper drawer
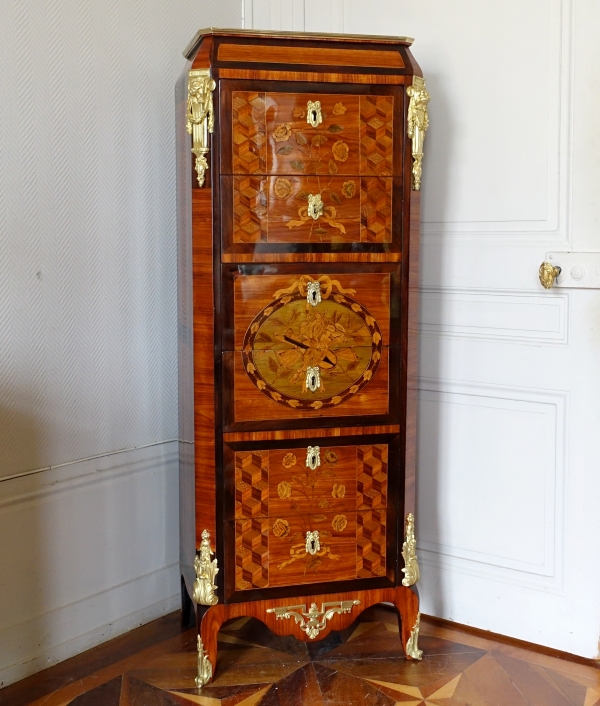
<point x="311" y="133"/>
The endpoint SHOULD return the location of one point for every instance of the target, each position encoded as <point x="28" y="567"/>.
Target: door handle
<point x="548" y="273"/>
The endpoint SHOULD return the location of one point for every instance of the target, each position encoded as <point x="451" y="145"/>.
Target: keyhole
<point x="314" y="296"/>
<point x="313" y="382"/>
<point x="313" y="458"/>
<point x="312" y="545"/>
<point x="314" y="116"/>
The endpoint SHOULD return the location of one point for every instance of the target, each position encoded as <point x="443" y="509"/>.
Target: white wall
<point x="88" y="347"/>
<point x="508" y="526"/>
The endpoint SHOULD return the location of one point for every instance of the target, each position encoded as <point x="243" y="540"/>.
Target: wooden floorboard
<point x="155" y="665"/>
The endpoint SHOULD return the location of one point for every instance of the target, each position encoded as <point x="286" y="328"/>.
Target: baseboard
<point x="100" y="607"/>
<point x="90" y="552"/>
<point x="513" y="642"/>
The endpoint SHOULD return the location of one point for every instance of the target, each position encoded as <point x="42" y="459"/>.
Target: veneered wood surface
<point x="412" y="354"/>
<point x="294" y="146"/>
<point x="406" y="600"/>
<point x="288" y="218"/>
<point x="294" y="488"/>
<point x="303" y="76"/>
<point x="204" y="374"/>
<point x="275" y="209"/>
<point x="252" y="293"/>
<point x="271" y="552"/>
<point x="290" y="565"/>
<point x="311" y="56"/>
<point x="377" y="135"/>
<point x="270" y="134"/>
<point x="248" y="404"/>
<point x="316" y="257"/>
<point x="232" y="437"/>
<point x="248" y="132"/>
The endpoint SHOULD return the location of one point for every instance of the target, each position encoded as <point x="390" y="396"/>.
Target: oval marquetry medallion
<point x="310" y="357"/>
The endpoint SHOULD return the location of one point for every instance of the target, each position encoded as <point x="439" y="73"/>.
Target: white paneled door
<point x="509" y="488"/>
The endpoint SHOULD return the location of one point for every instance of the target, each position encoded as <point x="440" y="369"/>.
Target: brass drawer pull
<point x="313" y="542"/>
<point x="313" y="457"/>
<point x="313" y="378"/>
<point x="314" y="116"/>
<point x="313" y="293"/>
<point x="315" y="206"/>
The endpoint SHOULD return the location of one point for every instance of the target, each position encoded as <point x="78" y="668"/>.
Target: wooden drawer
<point x="274" y="497"/>
<point x="273" y="210"/>
<point x="273" y="339"/>
<point x="278" y="482"/>
<point x="271" y="134"/>
<point x="271" y="552"/>
<point x="276" y="160"/>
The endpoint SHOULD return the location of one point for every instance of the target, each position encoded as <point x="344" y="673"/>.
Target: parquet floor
<point x="361" y="666"/>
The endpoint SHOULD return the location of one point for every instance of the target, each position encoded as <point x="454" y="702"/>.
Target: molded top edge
<point x="278" y="34"/>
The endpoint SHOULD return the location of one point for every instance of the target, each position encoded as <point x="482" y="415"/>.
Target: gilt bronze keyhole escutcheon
<point x="313" y="542"/>
<point x="314" y="115"/>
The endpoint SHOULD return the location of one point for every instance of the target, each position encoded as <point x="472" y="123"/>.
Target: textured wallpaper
<point x="88" y="320"/>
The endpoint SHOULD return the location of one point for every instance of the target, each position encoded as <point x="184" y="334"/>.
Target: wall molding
<point x="515" y="316"/>
<point x="548" y="574"/>
<point x="555" y="230"/>
<point x="93" y="552"/>
<point x="59" y="641"/>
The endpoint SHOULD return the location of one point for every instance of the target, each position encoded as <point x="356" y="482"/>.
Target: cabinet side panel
<point x="187" y="526"/>
<point x="410" y="293"/>
<point x="412" y="355"/>
<point x="204" y="369"/>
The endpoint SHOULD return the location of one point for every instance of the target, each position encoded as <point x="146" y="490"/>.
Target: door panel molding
<point x="502" y="444"/>
<point x="515" y="316"/>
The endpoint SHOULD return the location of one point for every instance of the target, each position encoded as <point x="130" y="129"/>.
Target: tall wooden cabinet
<point x="299" y="175"/>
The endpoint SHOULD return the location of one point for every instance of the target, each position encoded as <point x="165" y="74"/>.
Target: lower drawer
<point x="294" y="549"/>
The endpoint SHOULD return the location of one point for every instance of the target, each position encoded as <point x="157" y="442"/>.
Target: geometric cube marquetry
<point x="251" y="484"/>
<point x="249" y="209"/>
<point x="370" y="544"/>
<point x="249" y="133"/>
<point x="376" y="135"/>
<point x="372" y="475"/>
<point x="376" y="209"/>
<point x="251" y="553"/>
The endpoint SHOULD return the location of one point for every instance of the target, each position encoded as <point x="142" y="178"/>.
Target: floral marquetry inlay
<point x="311" y="357"/>
<point x="345" y="159"/>
<point x="340" y="502"/>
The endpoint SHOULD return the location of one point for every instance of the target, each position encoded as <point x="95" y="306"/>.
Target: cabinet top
<point x="192" y="47"/>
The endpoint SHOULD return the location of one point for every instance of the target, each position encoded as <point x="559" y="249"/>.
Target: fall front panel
<point x="301" y="343"/>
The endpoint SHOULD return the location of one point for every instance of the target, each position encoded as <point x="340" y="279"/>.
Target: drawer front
<point x="305" y="345"/>
<point x="283" y="483"/>
<point x="275" y="209"/>
<point x="272" y="551"/>
<point x="350" y="135"/>
<point x="278" y="493"/>
<point x="279" y="162"/>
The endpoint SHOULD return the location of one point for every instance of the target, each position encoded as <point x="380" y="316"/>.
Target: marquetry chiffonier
<point x="298" y="183"/>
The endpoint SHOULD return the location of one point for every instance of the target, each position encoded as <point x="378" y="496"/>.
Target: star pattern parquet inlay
<point x="363" y="665"/>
